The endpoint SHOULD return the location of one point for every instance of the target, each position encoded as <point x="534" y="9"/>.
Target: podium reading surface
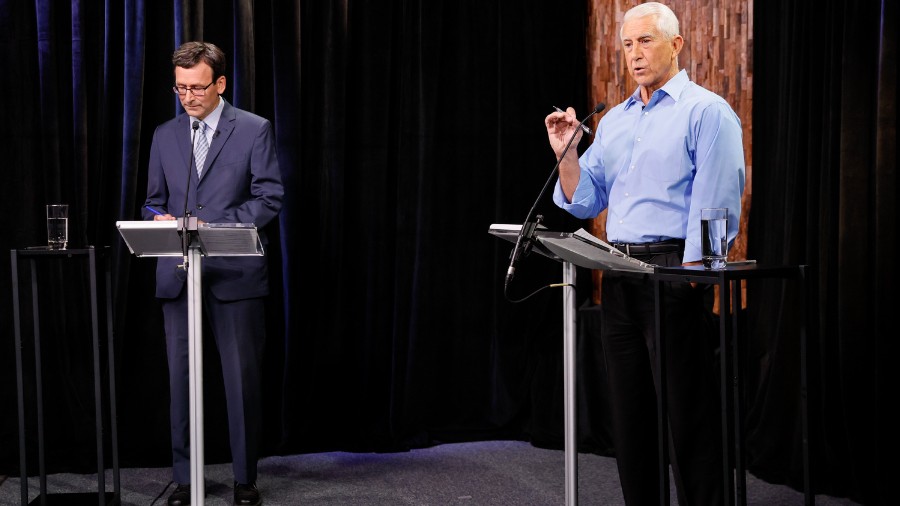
<point x="163" y="238"/>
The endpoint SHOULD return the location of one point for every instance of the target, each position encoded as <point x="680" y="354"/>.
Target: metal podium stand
<point x="583" y="250"/>
<point x="164" y="238"/>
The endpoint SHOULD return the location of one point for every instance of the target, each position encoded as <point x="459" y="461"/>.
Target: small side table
<point x="728" y="281"/>
<point x="90" y="256"/>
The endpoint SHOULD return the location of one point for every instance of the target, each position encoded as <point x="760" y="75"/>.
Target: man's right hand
<point x="560" y="127"/>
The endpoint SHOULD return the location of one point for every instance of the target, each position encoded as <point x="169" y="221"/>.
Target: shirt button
<point x="639" y="139"/>
<point x="620" y="222"/>
<point x="627" y="194"/>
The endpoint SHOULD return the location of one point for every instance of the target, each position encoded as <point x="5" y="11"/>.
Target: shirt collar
<point x="673" y="88"/>
<point x="212" y="120"/>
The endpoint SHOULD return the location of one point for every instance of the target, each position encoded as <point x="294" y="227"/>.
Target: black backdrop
<point x="404" y="131"/>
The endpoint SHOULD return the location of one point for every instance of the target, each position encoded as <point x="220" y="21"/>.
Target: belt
<point x="649" y="248"/>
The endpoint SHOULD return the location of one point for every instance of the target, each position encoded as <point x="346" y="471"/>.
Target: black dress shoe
<point x="246" y="495"/>
<point x="181" y="496"/>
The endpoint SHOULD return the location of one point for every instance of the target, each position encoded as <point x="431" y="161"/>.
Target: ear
<point x="220" y="85"/>
<point x="677" y="44"/>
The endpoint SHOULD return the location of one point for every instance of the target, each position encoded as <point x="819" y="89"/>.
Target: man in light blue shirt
<point x="654" y="164"/>
<point x="667" y="151"/>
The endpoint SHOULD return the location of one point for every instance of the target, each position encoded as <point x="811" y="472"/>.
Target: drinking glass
<point x="57" y="225"/>
<point x="714" y="232"/>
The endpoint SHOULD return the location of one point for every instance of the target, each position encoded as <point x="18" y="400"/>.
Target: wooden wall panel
<point x="717" y="54"/>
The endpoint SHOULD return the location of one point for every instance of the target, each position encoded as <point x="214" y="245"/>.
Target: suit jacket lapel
<point x="223" y="131"/>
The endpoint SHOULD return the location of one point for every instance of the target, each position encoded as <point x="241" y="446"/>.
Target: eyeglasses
<point x="197" y="91"/>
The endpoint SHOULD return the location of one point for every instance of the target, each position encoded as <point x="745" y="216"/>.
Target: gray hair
<point x="666" y="20"/>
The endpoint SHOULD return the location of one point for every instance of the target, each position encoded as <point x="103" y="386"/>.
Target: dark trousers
<point x="239" y="331"/>
<point x="628" y="337"/>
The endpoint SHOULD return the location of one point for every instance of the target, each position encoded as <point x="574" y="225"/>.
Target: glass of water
<point x="57" y="226"/>
<point x="714" y="232"/>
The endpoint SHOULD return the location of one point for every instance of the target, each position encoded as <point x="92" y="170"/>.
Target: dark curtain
<point x="826" y="188"/>
<point x="404" y="130"/>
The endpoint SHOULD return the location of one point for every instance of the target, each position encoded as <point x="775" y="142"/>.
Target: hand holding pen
<point x="584" y="127"/>
<point x="159" y="215"/>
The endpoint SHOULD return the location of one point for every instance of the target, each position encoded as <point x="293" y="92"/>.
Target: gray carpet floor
<point x="492" y="473"/>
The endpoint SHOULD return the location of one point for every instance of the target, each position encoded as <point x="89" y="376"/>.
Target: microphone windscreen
<point x="600" y="107"/>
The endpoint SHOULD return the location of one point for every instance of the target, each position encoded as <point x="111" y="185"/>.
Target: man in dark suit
<point x="233" y="178"/>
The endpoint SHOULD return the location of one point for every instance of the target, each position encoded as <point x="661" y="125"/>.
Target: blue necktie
<point x="201" y="147"/>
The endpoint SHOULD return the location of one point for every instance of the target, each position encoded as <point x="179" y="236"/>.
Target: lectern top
<point x="163" y="238"/>
<point x="580" y="248"/>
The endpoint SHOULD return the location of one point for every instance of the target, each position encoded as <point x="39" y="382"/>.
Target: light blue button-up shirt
<point x="655" y="166"/>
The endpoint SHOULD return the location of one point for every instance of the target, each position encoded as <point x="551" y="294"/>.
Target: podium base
<point x="75" y="499"/>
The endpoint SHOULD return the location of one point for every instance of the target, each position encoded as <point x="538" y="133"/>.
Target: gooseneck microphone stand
<point x="526" y="232"/>
<point x="187" y="223"/>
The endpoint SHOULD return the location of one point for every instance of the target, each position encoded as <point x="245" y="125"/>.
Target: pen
<point x="583" y="126"/>
<point x="154" y="211"/>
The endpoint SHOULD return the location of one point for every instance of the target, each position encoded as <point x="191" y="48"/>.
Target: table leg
<point x="724" y="371"/>
<point x="662" y="434"/>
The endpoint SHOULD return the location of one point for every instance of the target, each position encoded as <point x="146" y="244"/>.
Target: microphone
<point x="195" y="126"/>
<point x="526" y="233"/>
<point x="185" y="242"/>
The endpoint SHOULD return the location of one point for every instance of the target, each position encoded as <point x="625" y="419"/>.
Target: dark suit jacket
<point x="241" y="183"/>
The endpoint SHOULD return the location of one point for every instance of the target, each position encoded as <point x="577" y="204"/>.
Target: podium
<point x="193" y="240"/>
<point x="580" y="249"/>
<point x="584" y="250"/>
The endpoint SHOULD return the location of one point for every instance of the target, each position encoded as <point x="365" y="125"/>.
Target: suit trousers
<point x="239" y="331"/>
<point x="628" y="338"/>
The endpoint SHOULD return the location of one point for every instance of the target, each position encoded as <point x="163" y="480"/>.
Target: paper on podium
<point x="580" y="248"/>
<point x="585" y="250"/>
<point x="163" y="238"/>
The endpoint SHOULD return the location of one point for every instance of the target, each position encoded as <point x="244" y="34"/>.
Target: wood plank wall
<point x="717" y="54"/>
